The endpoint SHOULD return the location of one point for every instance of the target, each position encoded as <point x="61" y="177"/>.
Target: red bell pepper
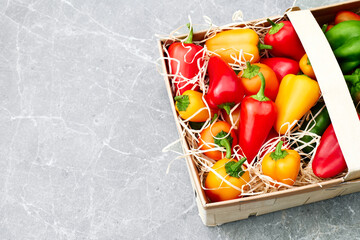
<point x="284" y="41"/>
<point x="187" y="64"/>
<point x="328" y="160"/>
<point x="225" y="89"/>
<point x="257" y="116"/>
<point x="281" y="66"/>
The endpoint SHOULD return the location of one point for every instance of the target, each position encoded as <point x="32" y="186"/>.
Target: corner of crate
<point x="207" y="218"/>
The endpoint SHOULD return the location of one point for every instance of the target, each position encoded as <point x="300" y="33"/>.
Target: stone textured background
<point x="84" y="115"/>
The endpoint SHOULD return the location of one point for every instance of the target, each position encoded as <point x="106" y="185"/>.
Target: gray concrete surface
<point x="84" y="115"/>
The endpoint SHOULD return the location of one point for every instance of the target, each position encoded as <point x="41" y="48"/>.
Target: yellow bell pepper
<point x="189" y="103"/>
<point x="297" y="94"/>
<point x="281" y="165"/>
<point x="229" y="43"/>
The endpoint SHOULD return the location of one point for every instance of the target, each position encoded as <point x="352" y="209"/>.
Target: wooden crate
<point x="342" y="114"/>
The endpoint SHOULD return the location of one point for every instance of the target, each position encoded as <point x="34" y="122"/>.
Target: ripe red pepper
<point x="328" y="160"/>
<point x="281" y="66"/>
<point x="257" y="116"/>
<point x="188" y="56"/>
<point x="225" y="89"/>
<point x="284" y="41"/>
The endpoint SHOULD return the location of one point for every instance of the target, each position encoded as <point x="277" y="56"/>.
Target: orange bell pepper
<point x="306" y="67"/>
<point x="251" y="81"/>
<point x="231" y="42"/>
<point x="231" y="170"/>
<point x="281" y="165"/>
<point x="213" y="136"/>
<point x="297" y="94"/>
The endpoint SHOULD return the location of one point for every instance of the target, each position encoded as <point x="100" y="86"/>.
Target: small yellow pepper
<point x="306" y="67"/>
<point x="189" y="103"/>
<point x="281" y="165"/>
<point x="297" y="94"/>
<point x="231" y="42"/>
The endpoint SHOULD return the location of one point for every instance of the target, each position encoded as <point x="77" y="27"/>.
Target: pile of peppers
<point x="245" y="109"/>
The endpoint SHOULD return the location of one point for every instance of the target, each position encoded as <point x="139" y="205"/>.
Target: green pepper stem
<point x="264" y="46"/>
<point x="271" y="22"/>
<point x="278" y="153"/>
<point x="237" y="166"/>
<point x="182" y="102"/>
<point x="278" y="150"/>
<point x="225" y="143"/>
<point x="234" y="169"/>
<point x="248" y="64"/>
<point x="214" y="118"/>
<point x="251" y="70"/>
<point x="261" y="92"/>
<point x="177" y="98"/>
<point x="324" y="27"/>
<point x="189" y="38"/>
<point x="242" y="160"/>
<point x="308" y="62"/>
<point x="275" y="27"/>
<point x="260" y="96"/>
<point x="227" y="107"/>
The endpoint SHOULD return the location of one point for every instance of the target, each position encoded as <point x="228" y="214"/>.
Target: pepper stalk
<point x="278" y="153"/>
<point x="225" y="142"/>
<point x="260" y="96"/>
<point x="189" y="38"/>
<point x="234" y="169"/>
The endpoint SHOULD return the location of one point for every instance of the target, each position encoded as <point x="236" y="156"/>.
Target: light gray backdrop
<point x="84" y="115"/>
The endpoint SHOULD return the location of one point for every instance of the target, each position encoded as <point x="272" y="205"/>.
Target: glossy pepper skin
<point x="231" y="170"/>
<point x="297" y="94"/>
<point x="281" y="66"/>
<point x="225" y="89"/>
<point x="344" y="39"/>
<point x="318" y="126"/>
<point x="282" y="165"/>
<point x="284" y="41"/>
<point x="346" y="16"/>
<point x="251" y="81"/>
<point x="187" y="57"/>
<point x="189" y="103"/>
<point x="306" y="68"/>
<point x="231" y="42"/>
<point x="347" y="67"/>
<point x="328" y="160"/>
<point x="214" y="136"/>
<point x="257" y="116"/>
